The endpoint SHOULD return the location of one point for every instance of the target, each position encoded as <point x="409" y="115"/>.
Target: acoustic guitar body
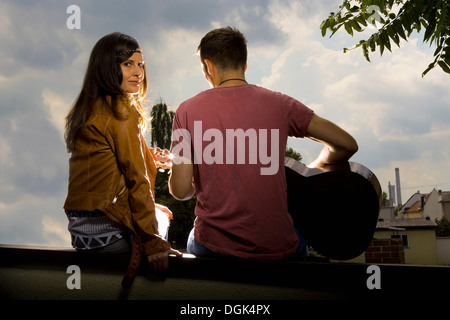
<point x="336" y="212"/>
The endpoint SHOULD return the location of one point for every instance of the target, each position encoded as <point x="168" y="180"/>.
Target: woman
<point x="110" y="203"/>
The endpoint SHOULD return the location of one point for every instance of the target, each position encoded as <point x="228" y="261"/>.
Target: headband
<point x="127" y="52"/>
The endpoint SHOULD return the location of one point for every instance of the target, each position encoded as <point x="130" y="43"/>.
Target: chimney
<point x="397" y="181"/>
<point x="391" y="193"/>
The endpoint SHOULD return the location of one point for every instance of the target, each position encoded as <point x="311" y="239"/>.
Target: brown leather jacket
<point x="112" y="170"/>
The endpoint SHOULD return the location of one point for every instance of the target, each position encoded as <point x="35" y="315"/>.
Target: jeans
<point x="195" y="248"/>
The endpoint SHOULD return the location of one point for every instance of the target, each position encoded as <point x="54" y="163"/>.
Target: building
<point x="434" y="205"/>
<point x="414" y="207"/>
<point x="418" y="235"/>
<point x="437" y="205"/>
<point x="415" y="224"/>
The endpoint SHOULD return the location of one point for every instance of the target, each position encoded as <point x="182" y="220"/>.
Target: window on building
<point x="404" y="237"/>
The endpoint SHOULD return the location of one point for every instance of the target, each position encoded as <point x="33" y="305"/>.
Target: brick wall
<point x="385" y="251"/>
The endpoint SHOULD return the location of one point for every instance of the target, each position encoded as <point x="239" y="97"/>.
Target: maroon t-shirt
<point x="236" y="137"/>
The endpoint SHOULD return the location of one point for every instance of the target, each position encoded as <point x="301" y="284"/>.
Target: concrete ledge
<point x="28" y="272"/>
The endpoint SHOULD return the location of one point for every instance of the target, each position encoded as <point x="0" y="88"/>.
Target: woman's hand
<point x="159" y="262"/>
<point x="165" y="210"/>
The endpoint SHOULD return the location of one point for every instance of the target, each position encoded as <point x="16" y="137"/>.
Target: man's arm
<point x="339" y="145"/>
<point x="181" y="185"/>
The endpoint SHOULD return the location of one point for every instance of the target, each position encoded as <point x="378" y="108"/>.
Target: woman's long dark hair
<point x="103" y="78"/>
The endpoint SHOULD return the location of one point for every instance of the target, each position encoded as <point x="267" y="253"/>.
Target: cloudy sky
<point x="398" y="118"/>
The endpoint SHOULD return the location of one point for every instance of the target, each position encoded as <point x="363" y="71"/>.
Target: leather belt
<point x="137" y="249"/>
<point x="134" y="264"/>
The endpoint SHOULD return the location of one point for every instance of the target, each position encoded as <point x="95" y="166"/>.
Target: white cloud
<point x="276" y="74"/>
<point x="55" y="231"/>
<point x="58" y="108"/>
<point x="173" y="66"/>
<point x="34" y="220"/>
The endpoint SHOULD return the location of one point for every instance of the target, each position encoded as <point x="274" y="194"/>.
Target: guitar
<point x="336" y="211"/>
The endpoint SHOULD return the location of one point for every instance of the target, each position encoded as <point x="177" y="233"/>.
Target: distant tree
<point x="161" y="125"/>
<point x="384" y="198"/>
<point x="161" y="135"/>
<point x="291" y="153"/>
<point x="443" y="227"/>
<point x="359" y="15"/>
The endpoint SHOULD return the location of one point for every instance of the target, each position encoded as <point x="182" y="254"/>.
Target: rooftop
<point x="28" y="272"/>
<point x="409" y="223"/>
<point x="445" y="196"/>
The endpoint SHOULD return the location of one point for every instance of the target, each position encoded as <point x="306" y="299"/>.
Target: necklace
<point x="230" y="80"/>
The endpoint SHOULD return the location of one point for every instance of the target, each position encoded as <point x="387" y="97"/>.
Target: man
<point x="228" y="146"/>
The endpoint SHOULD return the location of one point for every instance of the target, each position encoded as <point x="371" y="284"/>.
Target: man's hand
<point x="339" y="146"/>
<point x="163" y="158"/>
<point x="159" y="262"/>
<point x="319" y="163"/>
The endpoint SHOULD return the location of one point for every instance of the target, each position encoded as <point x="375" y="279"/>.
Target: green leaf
<point x="371" y="43"/>
<point x="438" y="49"/>
<point x="430" y="66"/>
<point x="324" y="26"/>
<point x="417" y="27"/>
<point x="380" y="44"/>
<point x="447" y="59"/>
<point x="346" y="4"/>
<point x="355" y="25"/>
<point x="354" y="9"/>
<point x="385" y="39"/>
<point x="444" y="66"/>
<point x="406" y="21"/>
<point x="399" y="28"/>
<point x="361" y="20"/>
<point x="348" y="28"/>
<point x="430" y="28"/>
<point x="414" y="15"/>
<point x="393" y="34"/>
<point x="418" y="4"/>
<point x="365" y="51"/>
<point x="332" y="23"/>
<point x="424" y="23"/>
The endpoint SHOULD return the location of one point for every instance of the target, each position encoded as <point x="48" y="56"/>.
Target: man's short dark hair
<point x="225" y="47"/>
